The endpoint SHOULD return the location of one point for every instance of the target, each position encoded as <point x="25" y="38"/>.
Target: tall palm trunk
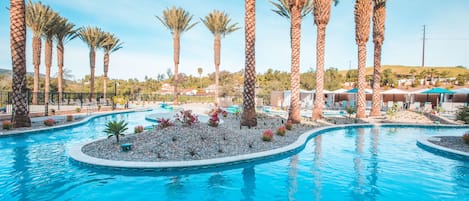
<point x="36" y="63"/>
<point x="363" y="10"/>
<point x="216" y="47"/>
<point x="92" y="69"/>
<point x="320" y="49"/>
<point x="18" y="57"/>
<point x="176" y="44"/>
<point x="60" y="65"/>
<point x="379" y="17"/>
<point x="106" y="69"/>
<point x="294" y="113"/>
<point x="48" y="62"/>
<point x="249" y="95"/>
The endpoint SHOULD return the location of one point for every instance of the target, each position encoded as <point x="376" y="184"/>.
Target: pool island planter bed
<point x="426" y="144"/>
<point x="76" y="153"/>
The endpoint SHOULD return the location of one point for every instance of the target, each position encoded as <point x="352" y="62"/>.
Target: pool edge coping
<point x="75" y="151"/>
<point x="432" y="147"/>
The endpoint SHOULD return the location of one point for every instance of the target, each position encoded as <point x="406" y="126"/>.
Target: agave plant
<point x="116" y="128"/>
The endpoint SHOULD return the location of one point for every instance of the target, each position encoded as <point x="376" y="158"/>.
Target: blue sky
<point x="148" y="44"/>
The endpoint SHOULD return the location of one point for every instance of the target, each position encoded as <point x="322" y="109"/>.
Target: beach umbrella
<point x="437" y="90"/>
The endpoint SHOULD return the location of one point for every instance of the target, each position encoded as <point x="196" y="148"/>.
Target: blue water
<point x="350" y="164"/>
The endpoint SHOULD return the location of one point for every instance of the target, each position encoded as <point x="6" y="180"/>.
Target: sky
<point x="148" y="48"/>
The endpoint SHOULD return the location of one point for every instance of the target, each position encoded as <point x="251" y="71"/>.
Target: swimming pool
<point x="370" y="163"/>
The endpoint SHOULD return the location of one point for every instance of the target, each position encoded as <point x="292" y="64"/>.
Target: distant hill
<point x="405" y="70"/>
<point x="9" y="73"/>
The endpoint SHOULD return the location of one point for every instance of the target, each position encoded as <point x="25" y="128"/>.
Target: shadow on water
<point x="249" y="180"/>
<point x="317" y="168"/>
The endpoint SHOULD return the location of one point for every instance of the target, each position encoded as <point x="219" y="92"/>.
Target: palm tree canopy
<point x="110" y="43"/>
<point x="51" y="24"/>
<point x="92" y="36"/>
<point x="65" y="30"/>
<point x="321" y="11"/>
<point x="219" y="23"/>
<point x="284" y="8"/>
<point x="177" y="20"/>
<point x="37" y="17"/>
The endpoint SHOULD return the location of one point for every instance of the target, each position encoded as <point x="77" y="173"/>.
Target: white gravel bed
<point x="200" y="141"/>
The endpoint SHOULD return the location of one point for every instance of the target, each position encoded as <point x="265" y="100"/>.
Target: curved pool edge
<point x="426" y="145"/>
<point x="77" y="123"/>
<point x="75" y="152"/>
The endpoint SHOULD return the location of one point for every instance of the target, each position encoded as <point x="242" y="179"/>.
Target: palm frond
<point x="177" y="20"/>
<point x="283" y="8"/>
<point x="219" y="23"/>
<point x="111" y="43"/>
<point x="92" y="36"/>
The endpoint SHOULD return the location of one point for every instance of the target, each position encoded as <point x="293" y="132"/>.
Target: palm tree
<point x="18" y="56"/>
<point x="52" y="19"/>
<point x="249" y="94"/>
<point x="321" y="13"/>
<point x="93" y="37"/>
<point x="200" y="71"/>
<point x="110" y="44"/>
<point x="219" y="23"/>
<point x="294" y="10"/>
<point x="65" y="31"/>
<point x="177" y="20"/>
<point x="363" y="10"/>
<point x="36" y="19"/>
<point x="379" y="17"/>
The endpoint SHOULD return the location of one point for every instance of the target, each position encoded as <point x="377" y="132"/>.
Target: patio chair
<point x="352" y="103"/>
<point x="344" y="104"/>
<point x="416" y="106"/>
<point x="427" y="107"/>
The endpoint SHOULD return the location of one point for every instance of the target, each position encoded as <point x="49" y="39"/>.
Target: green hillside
<point x="405" y="70"/>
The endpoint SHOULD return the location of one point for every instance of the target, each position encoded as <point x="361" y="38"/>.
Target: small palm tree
<point x="37" y="16"/>
<point x="219" y="23"/>
<point x="321" y="13"/>
<point x="116" y="128"/>
<point x="249" y="94"/>
<point x="294" y="10"/>
<point x="18" y="57"/>
<point x="65" y="32"/>
<point x="177" y="20"/>
<point x="379" y="17"/>
<point x="110" y="44"/>
<point x="93" y="37"/>
<point x="200" y="71"/>
<point x="52" y="20"/>
<point x="363" y="10"/>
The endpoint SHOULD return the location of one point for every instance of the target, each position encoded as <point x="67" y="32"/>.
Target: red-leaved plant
<point x="187" y="118"/>
<point x="267" y="135"/>
<point x="49" y="122"/>
<point x="214" y="120"/>
<point x="281" y="130"/>
<point x="138" y="129"/>
<point x="7" y="125"/>
<point x="465" y="137"/>
<point x="164" y="123"/>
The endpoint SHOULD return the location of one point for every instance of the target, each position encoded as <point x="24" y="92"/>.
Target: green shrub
<point x="289" y="125"/>
<point x="350" y="111"/>
<point x="115" y="128"/>
<point x="267" y="135"/>
<point x="281" y="130"/>
<point x="463" y="114"/>
<point x="78" y="109"/>
<point x="7" y="125"/>
<point x="138" y="129"/>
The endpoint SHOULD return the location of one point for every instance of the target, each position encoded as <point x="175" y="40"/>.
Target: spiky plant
<point x="93" y="37"/>
<point x="379" y="17"/>
<point x="321" y="13"/>
<point x="116" y="128"/>
<point x="294" y="10"/>
<point x="110" y="44"/>
<point x="18" y="58"/>
<point x="65" y="31"/>
<point x="249" y="94"/>
<point x="219" y="23"/>
<point x="178" y="21"/>
<point x="363" y="10"/>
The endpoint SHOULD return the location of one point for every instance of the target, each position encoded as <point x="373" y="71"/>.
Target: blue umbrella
<point x="438" y="91"/>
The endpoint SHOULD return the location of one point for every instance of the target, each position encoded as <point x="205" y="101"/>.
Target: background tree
<point x="294" y="10"/>
<point x="37" y="16"/>
<point x="110" y="44"/>
<point x="352" y="77"/>
<point x="18" y="57"/>
<point x="363" y="9"/>
<point x="92" y="36"/>
<point x="321" y="13"/>
<point x="177" y="20"/>
<point x="334" y="79"/>
<point x="379" y="17"/>
<point x="219" y="23"/>
<point x="65" y="32"/>
<point x="200" y="71"/>
<point x="249" y="94"/>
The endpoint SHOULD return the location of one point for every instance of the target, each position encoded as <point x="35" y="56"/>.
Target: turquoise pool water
<point x="381" y="163"/>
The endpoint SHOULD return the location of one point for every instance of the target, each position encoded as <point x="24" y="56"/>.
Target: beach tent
<point x="355" y="90"/>
<point x="395" y="92"/>
<point x="439" y="91"/>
